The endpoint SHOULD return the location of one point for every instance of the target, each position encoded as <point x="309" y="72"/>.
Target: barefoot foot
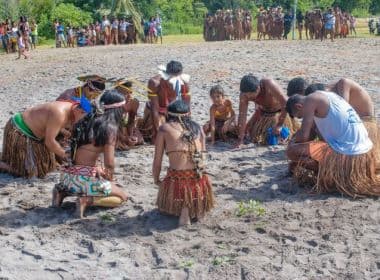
<point x="184" y="219"/>
<point x="58" y="197"/>
<point x="81" y="204"/>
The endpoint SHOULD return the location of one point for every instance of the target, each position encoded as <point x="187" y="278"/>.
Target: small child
<point x="128" y="135"/>
<point x="21" y="46"/>
<point x="222" y="116"/>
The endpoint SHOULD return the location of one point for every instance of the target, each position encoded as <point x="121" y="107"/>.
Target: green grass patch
<point x="171" y="28"/>
<point x="188" y="38"/>
<point x="252" y="207"/>
<point x="45" y="42"/>
<point x="217" y="261"/>
<point x="108" y="218"/>
<point x="186" y="264"/>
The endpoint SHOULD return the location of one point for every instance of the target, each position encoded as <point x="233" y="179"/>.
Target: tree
<point x="68" y="14"/>
<point x="8" y="9"/>
<point x="127" y="8"/>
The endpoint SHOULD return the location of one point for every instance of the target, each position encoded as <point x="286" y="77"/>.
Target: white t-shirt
<point x="342" y="128"/>
<point x="105" y="23"/>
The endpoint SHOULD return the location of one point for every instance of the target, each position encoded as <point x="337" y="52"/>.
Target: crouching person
<point x="94" y="135"/>
<point x="186" y="191"/>
<point x="343" y="159"/>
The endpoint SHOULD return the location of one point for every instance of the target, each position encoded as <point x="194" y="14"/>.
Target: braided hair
<point x="178" y="111"/>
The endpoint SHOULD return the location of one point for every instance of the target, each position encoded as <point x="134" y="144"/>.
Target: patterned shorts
<point x="85" y="185"/>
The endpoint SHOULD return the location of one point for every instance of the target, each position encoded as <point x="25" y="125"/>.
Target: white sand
<point x="301" y="235"/>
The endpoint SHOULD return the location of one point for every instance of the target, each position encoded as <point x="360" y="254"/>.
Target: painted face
<point x="217" y="98"/>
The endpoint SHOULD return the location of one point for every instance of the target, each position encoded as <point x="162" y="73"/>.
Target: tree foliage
<point x="68" y="14"/>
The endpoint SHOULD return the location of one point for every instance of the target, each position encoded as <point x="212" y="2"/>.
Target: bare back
<point x="88" y="155"/>
<point x="355" y="95"/>
<point x="38" y="117"/>
<point x="271" y="98"/>
<point x="177" y="150"/>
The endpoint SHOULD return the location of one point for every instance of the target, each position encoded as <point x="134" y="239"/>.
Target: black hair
<point x="249" y="83"/>
<point x="297" y="86"/>
<point x="180" y="107"/>
<point x="18" y="33"/>
<point x="217" y="89"/>
<point x="99" y="126"/>
<point x="128" y="84"/>
<point x="294" y="99"/>
<point x="174" y="68"/>
<point x="98" y="84"/>
<point x="314" y="87"/>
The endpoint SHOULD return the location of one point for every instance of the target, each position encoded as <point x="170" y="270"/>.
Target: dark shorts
<point x="34" y="39"/>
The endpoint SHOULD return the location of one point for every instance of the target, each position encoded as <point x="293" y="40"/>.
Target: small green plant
<point x="254" y="207"/>
<point x="107" y="218"/>
<point x="186" y="264"/>
<point x="222" y="246"/>
<point x="222" y="260"/>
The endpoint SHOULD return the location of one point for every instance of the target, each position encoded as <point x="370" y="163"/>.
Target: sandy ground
<point x="300" y="236"/>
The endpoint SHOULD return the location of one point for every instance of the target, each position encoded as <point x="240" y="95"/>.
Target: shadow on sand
<point x="99" y="223"/>
<point x="280" y="186"/>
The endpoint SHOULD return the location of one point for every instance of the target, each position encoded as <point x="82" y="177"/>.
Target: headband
<point x="114" y="105"/>
<point x="178" y="114"/>
<point x="96" y="85"/>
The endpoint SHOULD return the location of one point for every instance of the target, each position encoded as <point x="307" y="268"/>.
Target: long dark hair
<point x="181" y="114"/>
<point x="101" y="125"/>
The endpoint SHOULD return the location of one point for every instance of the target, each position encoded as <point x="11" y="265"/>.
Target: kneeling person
<point x="93" y="86"/>
<point x="30" y="147"/>
<point x="269" y="113"/>
<point x="129" y="135"/>
<point x="186" y="190"/>
<point x="361" y="101"/>
<point x="346" y="161"/>
<point x="94" y="135"/>
<point x="169" y="85"/>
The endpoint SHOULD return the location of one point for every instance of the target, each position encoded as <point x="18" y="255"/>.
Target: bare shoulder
<point x="316" y="98"/>
<point x="346" y="81"/>
<point x="53" y="111"/>
<point x="228" y="102"/>
<point x="268" y="82"/>
<point x="164" y="128"/>
<point x="154" y="82"/>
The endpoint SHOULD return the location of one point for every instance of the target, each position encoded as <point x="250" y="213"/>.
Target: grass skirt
<point x="354" y="176"/>
<point x="257" y="127"/>
<point x="373" y="133"/>
<point x="182" y="188"/>
<point x="26" y="157"/>
<point x="146" y="124"/>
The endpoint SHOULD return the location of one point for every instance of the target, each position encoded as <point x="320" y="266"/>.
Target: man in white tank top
<point x="345" y="140"/>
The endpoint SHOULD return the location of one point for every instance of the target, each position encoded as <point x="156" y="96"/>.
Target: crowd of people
<point x="374" y="26"/>
<point x="335" y="148"/>
<point x="19" y="36"/>
<point x="22" y="36"/>
<point x="274" y="23"/>
<point x="228" y="25"/>
<point x="115" y="31"/>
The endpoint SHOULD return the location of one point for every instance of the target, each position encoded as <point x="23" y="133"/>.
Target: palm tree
<point x="126" y="7"/>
